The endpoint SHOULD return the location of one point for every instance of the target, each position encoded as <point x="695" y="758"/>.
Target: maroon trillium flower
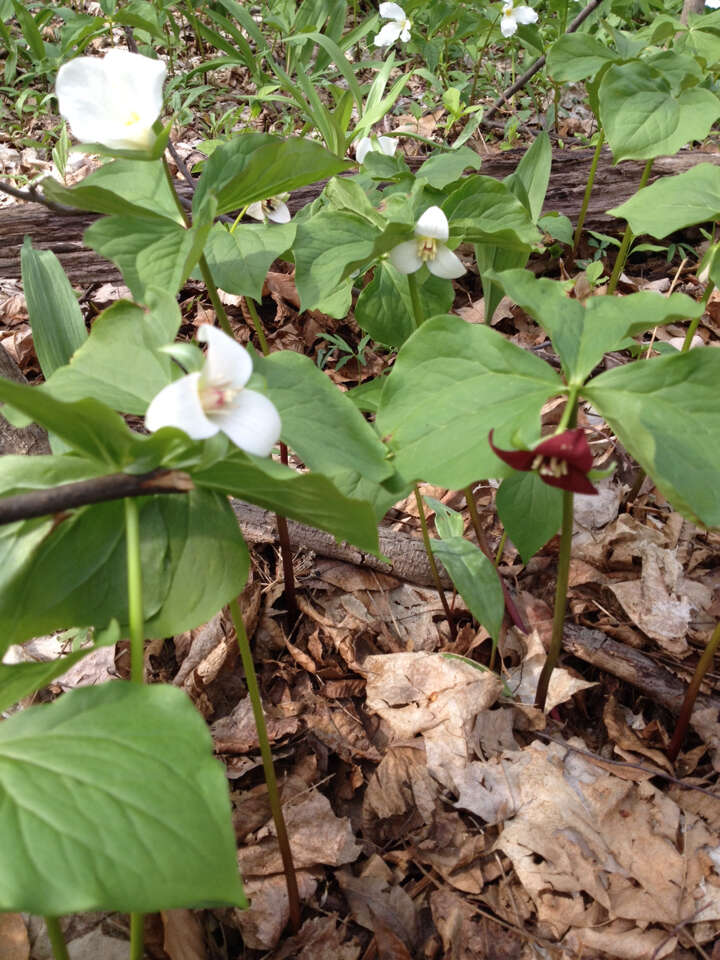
<point x="563" y="460"/>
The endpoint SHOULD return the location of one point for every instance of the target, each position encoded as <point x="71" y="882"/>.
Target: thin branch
<point x="538" y="65"/>
<point x="114" y="486"/>
<point x="182" y="166"/>
<point x="33" y="195"/>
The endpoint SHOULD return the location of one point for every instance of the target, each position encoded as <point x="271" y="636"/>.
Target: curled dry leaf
<point x="523" y="679"/>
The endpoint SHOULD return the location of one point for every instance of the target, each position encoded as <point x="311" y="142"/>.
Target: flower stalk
<point x="56" y="938"/>
<point x="683" y="721"/>
<point x="628" y="238"/>
<point x="433" y="564"/>
<point x="588" y="190"/>
<point x="268" y="767"/>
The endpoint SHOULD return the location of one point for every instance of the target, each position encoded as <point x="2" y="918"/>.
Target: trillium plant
<point x="126" y="530"/>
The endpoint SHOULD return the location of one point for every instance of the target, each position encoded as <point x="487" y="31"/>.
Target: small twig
<point x="130" y="39"/>
<point x="114" y="486"/>
<point x="33" y="195"/>
<point x="538" y="65"/>
<point x="182" y="166"/>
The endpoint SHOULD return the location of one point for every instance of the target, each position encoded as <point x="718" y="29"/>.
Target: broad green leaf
<point x="307" y="497"/>
<point x="483" y="210"/>
<point x="113" y="801"/>
<point x="491" y="260"/>
<point x="239" y="261"/>
<point x="194" y="561"/>
<point x="530" y="180"/>
<point x="109" y="189"/>
<point x="325" y="427"/>
<point x="530" y="511"/>
<point x="582" y="332"/>
<point x="19" y="680"/>
<point x="384" y="308"/>
<point x="452" y="383"/>
<point x="446" y="167"/>
<point x="120" y="363"/>
<point x="256" y="166"/>
<point x="666" y="412"/>
<point x="577" y="56"/>
<point x="448" y="523"/>
<point x="643" y="118"/>
<point x="57" y="323"/>
<point x="147" y="252"/>
<point x="673" y="203"/>
<point x="21" y="474"/>
<point x="475" y="579"/>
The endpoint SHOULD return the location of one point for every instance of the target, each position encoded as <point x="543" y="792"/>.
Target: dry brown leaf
<point x="627" y="740"/>
<point x="183" y="935"/>
<point x="401" y="787"/>
<point x="318" y="939"/>
<point x="523" y="679"/>
<point x="265" y="919"/>
<point x="389" y="945"/>
<point x="432" y="695"/>
<point x="237" y="733"/>
<point x="14" y="942"/>
<point x="372" y="898"/>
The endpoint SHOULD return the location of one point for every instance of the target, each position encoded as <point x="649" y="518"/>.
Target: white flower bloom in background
<point x="274" y="208"/>
<point x="366" y="145"/>
<point x="113" y="100"/>
<point x="214" y="399"/>
<point x="512" y="16"/>
<point x="713" y="4"/>
<point x="398" y="28"/>
<point x="431" y="232"/>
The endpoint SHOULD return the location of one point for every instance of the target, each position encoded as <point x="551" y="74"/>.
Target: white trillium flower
<point x="431" y="232"/>
<point x="512" y="16"/>
<point x="366" y="145"/>
<point x="274" y="208"/>
<point x="113" y="100"/>
<point x="214" y="399"/>
<point x="713" y="4"/>
<point x="398" y="28"/>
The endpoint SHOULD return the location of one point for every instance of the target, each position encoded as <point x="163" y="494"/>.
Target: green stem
<point x="250" y="303"/>
<point x="418" y="312"/>
<point x="688" y="703"/>
<point x="57" y="940"/>
<point x="628" y="237"/>
<point x="501" y="548"/>
<point x="569" y="414"/>
<point x="268" y="768"/>
<point x="480" y="59"/>
<point x="588" y="190"/>
<point x="214" y="297"/>
<point x="563" y="574"/>
<point x="433" y="565"/>
<point x="135" y="590"/>
<point x="695" y="322"/>
<point x="137" y="936"/>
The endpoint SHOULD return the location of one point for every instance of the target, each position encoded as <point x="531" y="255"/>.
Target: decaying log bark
<point x="613" y="185"/>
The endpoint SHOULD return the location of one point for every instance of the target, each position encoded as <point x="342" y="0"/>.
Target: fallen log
<point x="613" y="184"/>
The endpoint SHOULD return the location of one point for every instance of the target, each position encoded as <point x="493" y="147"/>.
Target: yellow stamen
<point x="132" y="119"/>
<point x="426" y="248"/>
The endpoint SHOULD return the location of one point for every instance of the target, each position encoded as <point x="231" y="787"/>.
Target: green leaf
<point x="194" y="561"/>
<point x="483" y="210"/>
<point x="325" y="427"/>
<point x="384" y="308"/>
<point x="21" y="474"/>
<point x="530" y="511"/>
<point x="19" y="680"/>
<point x="57" y="323"/>
<point x="114" y="801"/>
<point x="673" y="203"/>
<point x="530" y="180"/>
<point x="643" y="118"/>
<point x="491" y="260"/>
<point x="443" y="168"/>
<point x="120" y="363"/>
<point x="451" y="384"/>
<point x="239" y="261"/>
<point x="475" y="579"/>
<point x="666" y="412"/>
<point x="577" y="56"/>
<point x="133" y="188"/>
<point x="558" y="226"/>
<point x="582" y="332"/>
<point x="448" y="523"/>
<point x="307" y="497"/>
<point x="257" y="166"/>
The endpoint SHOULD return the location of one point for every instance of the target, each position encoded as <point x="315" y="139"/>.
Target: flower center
<point x="426" y="248"/>
<point x="406" y="24"/>
<point x="132" y="119"/>
<point x="507" y="10"/>
<point x="550" y="466"/>
<point x="270" y="205"/>
<point x="217" y="397"/>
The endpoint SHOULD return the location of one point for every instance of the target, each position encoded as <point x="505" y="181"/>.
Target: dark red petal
<point x="574" y="480"/>
<point x="570" y="446"/>
<point x="518" y="459"/>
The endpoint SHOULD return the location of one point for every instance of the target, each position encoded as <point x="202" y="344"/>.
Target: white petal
<point x="256" y="211"/>
<point x="446" y="264"/>
<point x="525" y="15"/>
<point x="227" y="363"/>
<point x="388" y="35"/>
<point x="279" y="212"/>
<point x="178" y="405"/>
<point x="391" y="11"/>
<point x="434" y="224"/>
<point x="388" y="145"/>
<point x="404" y="257"/>
<point x="405" y="35"/>
<point x="251" y="422"/>
<point x="81" y="93"/>
<point x="363" y="146"/>
<point x="713" y="4"/>
<point x="508" y="26"/>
